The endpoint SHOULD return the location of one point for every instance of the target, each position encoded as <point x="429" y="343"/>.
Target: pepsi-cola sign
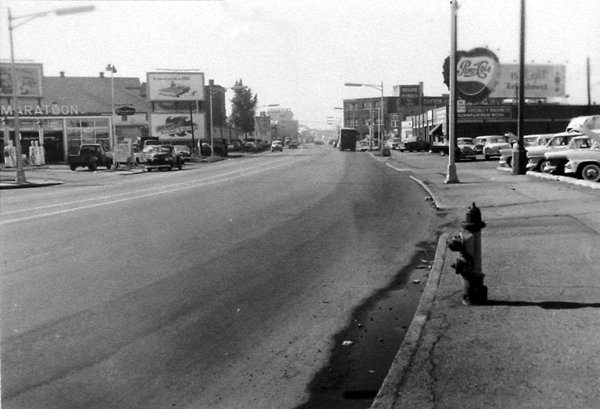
<point x="477" y="73"/>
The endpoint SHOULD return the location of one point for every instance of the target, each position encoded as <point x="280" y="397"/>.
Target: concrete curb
<point x="388" y="393"/>
<point x="560" y="178"/>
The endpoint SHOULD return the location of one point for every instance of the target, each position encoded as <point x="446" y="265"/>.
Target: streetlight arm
<point x="59" y="12"/>
<point x="355" y="84"/>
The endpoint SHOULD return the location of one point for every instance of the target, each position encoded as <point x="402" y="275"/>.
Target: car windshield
<point x="560" y="141"/>
<point x="580" y="143"/>
<point x="465" y="141"/>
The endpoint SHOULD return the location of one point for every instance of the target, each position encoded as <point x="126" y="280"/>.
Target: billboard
<point x="479" y="75"/>
<point x="175" y="86"/>
<point x="410" y="94"/>
<point x="541" y="81"/>
<point x="177" y="126"/>
<point x="29" y="80"/>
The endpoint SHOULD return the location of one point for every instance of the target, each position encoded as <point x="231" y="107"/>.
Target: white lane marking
<point x="169" y="189"/>
<point x="398" y="169"/>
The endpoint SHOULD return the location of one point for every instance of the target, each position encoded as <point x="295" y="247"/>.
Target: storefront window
<point x="87" y="130"/>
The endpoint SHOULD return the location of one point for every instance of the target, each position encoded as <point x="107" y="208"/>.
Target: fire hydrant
<point x="468" y="264"/>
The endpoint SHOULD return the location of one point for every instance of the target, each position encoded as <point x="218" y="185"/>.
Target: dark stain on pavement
<point x="364" y="350"/>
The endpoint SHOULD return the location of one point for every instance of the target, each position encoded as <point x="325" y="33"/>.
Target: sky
<point x="298" y="54"/>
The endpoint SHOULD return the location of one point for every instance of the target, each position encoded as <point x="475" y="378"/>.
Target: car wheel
<point x="509" y="162"/>
<point x="486" y="156"/>
<point x="591" y="172"/>
<point x="180" y="166"/>
<point x="149" y="169"/>
<point x="73" y="167"/>
<point x="545" y="167"/>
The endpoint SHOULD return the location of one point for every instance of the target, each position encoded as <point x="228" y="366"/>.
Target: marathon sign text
<point x="40" y="110"/>
<point x="484" y="112"/>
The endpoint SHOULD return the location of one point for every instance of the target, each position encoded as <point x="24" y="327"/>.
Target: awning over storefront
<point x="437" y="130"/>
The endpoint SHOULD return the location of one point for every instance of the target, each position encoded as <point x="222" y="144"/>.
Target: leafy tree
<point x="244" y="108"/>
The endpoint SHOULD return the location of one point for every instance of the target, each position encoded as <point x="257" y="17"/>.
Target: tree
<point x="243" y="109"/>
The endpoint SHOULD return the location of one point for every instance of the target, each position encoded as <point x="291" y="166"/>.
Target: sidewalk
<point x="536" y="344"/>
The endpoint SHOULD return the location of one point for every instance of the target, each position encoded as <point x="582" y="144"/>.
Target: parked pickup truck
<point x="418" y="144"/>
<point x="90" y="156"/>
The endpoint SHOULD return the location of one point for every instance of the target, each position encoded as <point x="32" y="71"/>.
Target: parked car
<point x="584" y="164"/>
<point x="249" y="146"/>
<point x="465" y="149"/>
<point x="91" y="156"/>
<point x="277" y="146"/>
<point x="205" y="149"/>
<point x="138" y="155"/>
<point x="235" y="146"/>
<point x="163" y="157"/>
<point x="554" y="161"/>
<point x="536" y="154"/>
<point x="415" y="144"/>
<point x="184" y="152"/>
<point x="490" y="145"/>
<point x="293" y="145"/>
<point x="396" y="141"/>
<point x="528" y="141"/>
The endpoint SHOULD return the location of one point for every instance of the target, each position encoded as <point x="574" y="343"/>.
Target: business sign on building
<point x="439" y="101"/>
<point x="29" y="80"/>
<point x="177" y="126"/>
<point x="175" y="86"/>
<point x="479" y="75"/>
<point x="541" y="81"/>
<point x="410" y="95"/>
<point x="484" y="112"/>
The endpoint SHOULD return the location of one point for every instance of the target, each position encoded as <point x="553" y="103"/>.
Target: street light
<point x="378" y="87"/>
<point x="112" y="69"/>
<point x="451" y="176"/>
<point x="27" y="18"/>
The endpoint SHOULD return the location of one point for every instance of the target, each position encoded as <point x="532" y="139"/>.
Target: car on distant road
<point x="277" y="146"/>
<point x="163" y="157"/>
<point x="184" y="152"/>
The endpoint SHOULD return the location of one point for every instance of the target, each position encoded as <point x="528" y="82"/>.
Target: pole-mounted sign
<point x="124" y="111"/>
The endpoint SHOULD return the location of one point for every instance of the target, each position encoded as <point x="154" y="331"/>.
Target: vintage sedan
<point x="184" y="152"/>
<point x="584" y="164"/>
<point x="163" y="157"/>
<point x="277" y="146"/>
<point x="465" y="149"/>
<point x="554" y="161"/>
<point x="536" y="154"/>
<point x="490" y="145"/>
<point x="528" y="142"/>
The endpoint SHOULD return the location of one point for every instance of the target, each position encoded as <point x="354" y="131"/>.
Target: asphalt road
<point x="218" y="286"/>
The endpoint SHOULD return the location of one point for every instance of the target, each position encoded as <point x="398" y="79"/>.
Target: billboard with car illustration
<point x="176" y="86"/>
<point x="177" y="126"/>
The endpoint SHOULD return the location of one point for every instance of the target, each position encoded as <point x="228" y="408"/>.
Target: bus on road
<point x="348" y="138"/>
